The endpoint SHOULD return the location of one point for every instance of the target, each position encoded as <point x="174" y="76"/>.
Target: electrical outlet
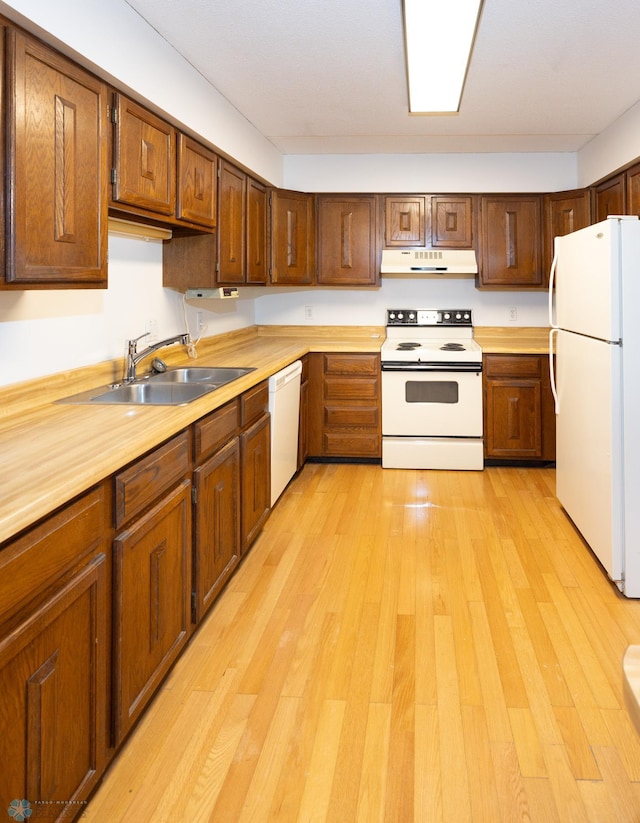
<point x="308" y="312"/>
<point x="200" y="321"/>
<point x="513" y="313"/>
<point x="151" y="328"/>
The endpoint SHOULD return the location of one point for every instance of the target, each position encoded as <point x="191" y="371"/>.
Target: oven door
<point x="444" y="402"/>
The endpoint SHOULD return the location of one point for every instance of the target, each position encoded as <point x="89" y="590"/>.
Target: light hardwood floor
<point x="398" y="646"/>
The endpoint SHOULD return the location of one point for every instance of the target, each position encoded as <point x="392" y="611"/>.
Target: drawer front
<point x="33" y="562"/>
<point x="216" y="429"/>
<point x="359" y="416"/>
<point x="254" y="403"/>
<point x="352" y="364"/>
<point x="507" y="365"/>
<point x="351" y="388"/>
<point x="351" y="444"/>
<point x="139" y="485"/>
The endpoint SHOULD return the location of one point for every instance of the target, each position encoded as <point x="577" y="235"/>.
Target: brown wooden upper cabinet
<point x="347" y="241"/>
<point x="610" y="197"/>
<point x="56" y="169"/>
<point x="511" y="247"/>
<point x="564" y="212"/>
<point x="159" y="173"/>
<point x="632" y="176"/>
<point x="197" y="183"/>
<point x="242" y="228"/>
<point x="292" y="238"/>
<point x="405" y="220"/>
<point x="452" y="222"/>
<point x="232" y="188"/>
<point x="144" y="157"/>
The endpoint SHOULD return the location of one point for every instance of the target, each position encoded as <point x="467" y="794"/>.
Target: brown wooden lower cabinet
<point x="303" y="426"/>
<point x="216" y="539"/>
<point x="344" y="405"/>
<point x="519" y="421"/>
<point x="152" y="576"/>
<point x="54" y="653"/>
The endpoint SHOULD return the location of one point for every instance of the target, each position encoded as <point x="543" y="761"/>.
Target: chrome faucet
<point x="134" y="356"/>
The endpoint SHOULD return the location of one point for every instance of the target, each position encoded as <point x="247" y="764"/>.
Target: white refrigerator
<point x="595" y="331"/>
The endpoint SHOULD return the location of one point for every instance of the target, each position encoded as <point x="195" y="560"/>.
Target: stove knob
<point x="467" y="316"/>
<point x="412" y="316"/>
<point x="458" y="316"/>
<point x="447" y="315"/>
<point x="392" y="315"/>
<point x="400" y="316"/>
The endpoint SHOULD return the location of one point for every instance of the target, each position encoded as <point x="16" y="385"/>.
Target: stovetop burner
<point x="408" y="345"/>
<point x="452" y="347"/>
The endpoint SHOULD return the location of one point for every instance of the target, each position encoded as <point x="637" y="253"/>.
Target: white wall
<point x="616" y="146"/>
<point x="540" y="172"/>
<point x="43" y="332"/>
<point x="348" y="307"/>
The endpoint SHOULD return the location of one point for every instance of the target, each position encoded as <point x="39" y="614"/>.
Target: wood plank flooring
<point x="398" y="646"/>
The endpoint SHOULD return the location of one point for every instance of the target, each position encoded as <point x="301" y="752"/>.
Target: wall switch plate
<point x="151" y="328"/>
<point x="513" y="313"/>
<point x="308" y="312"/>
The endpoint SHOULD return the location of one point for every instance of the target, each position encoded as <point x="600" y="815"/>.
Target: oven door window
<point x="437" y="391"/>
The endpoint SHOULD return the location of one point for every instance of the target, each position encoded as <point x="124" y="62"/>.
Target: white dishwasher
<point x="284" y="408"/>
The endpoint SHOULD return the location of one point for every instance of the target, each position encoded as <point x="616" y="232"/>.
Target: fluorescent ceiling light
<point x="439" y="36"/>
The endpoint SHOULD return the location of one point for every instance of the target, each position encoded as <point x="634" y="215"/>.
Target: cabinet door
<point x="564" y="212"/>
<point x="255" y="458"/>
<point x="511" y="241"/>
<point x="57" y="142"/>
<point x="610" y="197"/>
<point x="632" y="181"/>
<point x="152" y="586"/>
<point x="405" y="221"/>
<point x="217" y="525"/>
<point x="303" y="429"/>
<point x="231" y="225"/>
<point x="346" y="240"/>
<point x="52" y="682"/>
<point x="197" y="183"/>
<point x="144" y="159"/>
<point x="452" y="222"/>
<point x="292" y="238"/>
<point x="257" y="245"/>
<point x="514" y="418"/>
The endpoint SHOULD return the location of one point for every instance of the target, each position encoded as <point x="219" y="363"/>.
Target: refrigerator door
<point x="587" y="280"/>
<point x="589" y="472"/>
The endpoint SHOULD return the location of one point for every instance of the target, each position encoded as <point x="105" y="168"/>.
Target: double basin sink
<point x="175" y="387"/>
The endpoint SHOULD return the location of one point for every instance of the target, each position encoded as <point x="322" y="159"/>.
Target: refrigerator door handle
<point x="552" y="371"/>
<point x="552" y="280"/>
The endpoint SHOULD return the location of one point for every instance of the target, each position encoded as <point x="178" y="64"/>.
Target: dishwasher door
<point x="284" y="408"/>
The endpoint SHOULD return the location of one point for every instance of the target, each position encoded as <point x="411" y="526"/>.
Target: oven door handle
<point x="431" y="367"/>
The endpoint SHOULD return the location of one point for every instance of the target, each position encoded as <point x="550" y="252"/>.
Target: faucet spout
<point x="134" y="356"/>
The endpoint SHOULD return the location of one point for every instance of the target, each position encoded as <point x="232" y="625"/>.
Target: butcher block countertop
<point x="52" y="452"/>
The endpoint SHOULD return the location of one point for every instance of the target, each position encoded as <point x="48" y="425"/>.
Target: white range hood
<point x="416" y="262"/>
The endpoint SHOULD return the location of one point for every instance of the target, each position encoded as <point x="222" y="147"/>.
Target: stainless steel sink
<point x="172" y="388"/>
<point x="200" y="374"/>
<point x="154" y="394"/>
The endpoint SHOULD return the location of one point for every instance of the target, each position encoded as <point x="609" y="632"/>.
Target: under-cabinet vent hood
<point x="419" y="261"/>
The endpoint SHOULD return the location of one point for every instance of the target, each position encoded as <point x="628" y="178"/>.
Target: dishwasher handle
<point x="281" y="378"/>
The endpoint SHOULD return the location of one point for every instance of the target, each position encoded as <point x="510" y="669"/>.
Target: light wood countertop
<point x="51" y="452"/>
<point x="512" y="339"/>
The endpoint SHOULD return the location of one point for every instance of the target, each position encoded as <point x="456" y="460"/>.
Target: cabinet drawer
<point x="362" y="416"/>
<point x="351" y="444"/>
<point x="33" y="562"/>
<point x="139" y="485"/>
<point x="520" y="365"/>
<point x="350" y="388"/>
<point x="254" y="403"/>
<point x="351" y="364"/>
<point x="216" y="429"/>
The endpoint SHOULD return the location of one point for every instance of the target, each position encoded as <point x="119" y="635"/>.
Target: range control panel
<point x="429" y="317"/>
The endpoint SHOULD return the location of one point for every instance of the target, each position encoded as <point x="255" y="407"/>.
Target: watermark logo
<point x="20" y="810"/>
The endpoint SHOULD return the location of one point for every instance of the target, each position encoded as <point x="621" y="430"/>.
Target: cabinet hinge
<point x="194" y="495"/>
<point x="193" y="603"/>
<point x="114" y="115"/>
<point x="114" y="176"/>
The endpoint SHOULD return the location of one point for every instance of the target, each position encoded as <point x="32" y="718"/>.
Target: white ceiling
<point x="328" y="76"/>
